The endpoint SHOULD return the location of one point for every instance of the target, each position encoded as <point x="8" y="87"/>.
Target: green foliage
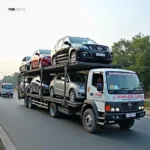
<point x="11" y="79"/>
<point x="134" y="55"/>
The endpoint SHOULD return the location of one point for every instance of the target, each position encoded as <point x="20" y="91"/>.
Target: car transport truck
<point x="118" y="100"/>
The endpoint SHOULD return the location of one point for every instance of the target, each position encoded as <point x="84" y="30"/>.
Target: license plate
<point x="100" y="54"/>
<point x="130" y="115"/>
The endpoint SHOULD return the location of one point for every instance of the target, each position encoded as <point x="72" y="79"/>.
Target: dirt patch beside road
<point x="2" y="145"/>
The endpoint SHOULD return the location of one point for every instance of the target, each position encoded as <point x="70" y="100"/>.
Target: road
<point x="35" y="130"/>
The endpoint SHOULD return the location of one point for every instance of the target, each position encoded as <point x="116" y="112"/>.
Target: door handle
<point x="91" y="94"/>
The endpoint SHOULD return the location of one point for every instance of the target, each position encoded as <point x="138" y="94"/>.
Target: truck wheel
<point x="52" y="93"/>
<point x="26" y="102"/>
<point x="72" y="95"/>
<point x="127" y="124"/>
<point x="89" y="121"/>
<point x="30" y="105"/>
<point x="53" y="110"/>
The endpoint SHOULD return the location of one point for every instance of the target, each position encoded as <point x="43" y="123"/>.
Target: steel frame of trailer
<point x="63" y="68"/>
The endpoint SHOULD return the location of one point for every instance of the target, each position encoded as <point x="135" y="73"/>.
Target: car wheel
<point x="72" y="95"/>
<point x="52" y="93"/>
<point x="54" y="61"/>
<point x="73" y="57"/>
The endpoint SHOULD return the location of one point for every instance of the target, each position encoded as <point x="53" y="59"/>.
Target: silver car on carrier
<point x="75" y="86"/>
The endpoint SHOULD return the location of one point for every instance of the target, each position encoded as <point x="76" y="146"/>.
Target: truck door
<point x="92" y="93"/>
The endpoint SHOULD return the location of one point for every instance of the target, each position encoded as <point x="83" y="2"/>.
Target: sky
<point x="45" y="21"/>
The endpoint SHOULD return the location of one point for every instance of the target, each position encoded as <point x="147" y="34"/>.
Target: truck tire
<point x="53" y="110"/>
<point x="127" y="124"/>
<point x="89" y="121"/>
<point x="30" y="105"/>
<point x="26" y="102"/>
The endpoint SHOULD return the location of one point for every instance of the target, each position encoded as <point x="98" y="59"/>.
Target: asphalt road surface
<point x="36" y="130"/>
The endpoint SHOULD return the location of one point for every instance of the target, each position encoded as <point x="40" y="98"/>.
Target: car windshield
<point x="123" y="81"/>
<point x="28" y="58"/>
<point x="81" y="40"/>
<point x="78" y="77"/>
<point x="8" y="86"/>
<point x="45" y="52"/>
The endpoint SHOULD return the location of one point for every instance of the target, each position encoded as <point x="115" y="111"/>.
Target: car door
<point x="57" y="84"/>
<point x="92" y="93"/>
<point x="33" y="84"/>
<point x="35" y="59"/>
<point x="65" y="49"/>
<point x="60" y="55"/>
<point x="37" y="84"/>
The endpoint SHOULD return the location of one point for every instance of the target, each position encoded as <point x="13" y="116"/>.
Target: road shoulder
<point x="6" y="140"/>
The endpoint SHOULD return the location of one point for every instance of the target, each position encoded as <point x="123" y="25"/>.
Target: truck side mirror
<point x="142" y="84"/>
<point x="99" y="87"/>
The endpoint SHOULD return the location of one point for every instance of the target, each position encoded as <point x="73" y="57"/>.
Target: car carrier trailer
<point x="99" y="107"/>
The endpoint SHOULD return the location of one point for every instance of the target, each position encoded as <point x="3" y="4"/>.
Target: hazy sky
<point x="45" y="21"/>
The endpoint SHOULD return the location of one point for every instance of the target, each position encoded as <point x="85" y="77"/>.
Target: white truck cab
<point x="119" y="98"/>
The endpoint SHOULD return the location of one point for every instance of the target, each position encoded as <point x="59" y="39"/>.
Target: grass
<point x="147" y="106"/>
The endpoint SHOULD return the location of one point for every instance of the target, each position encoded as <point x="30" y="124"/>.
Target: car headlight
<point x="83" y="46"/>
<point x="109" y="49"/>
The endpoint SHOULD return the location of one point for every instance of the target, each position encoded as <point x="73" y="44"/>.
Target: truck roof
<point x="112" y="69"/>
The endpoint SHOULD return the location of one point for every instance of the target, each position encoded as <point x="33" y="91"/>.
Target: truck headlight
<point x="112" y="109"/>
<point x="141" y="107"/>
<point x="117" y="109"/>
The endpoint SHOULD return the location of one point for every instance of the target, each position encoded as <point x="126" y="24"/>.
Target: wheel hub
<point x="73" y="58"/>
<point x="88" y="120"/>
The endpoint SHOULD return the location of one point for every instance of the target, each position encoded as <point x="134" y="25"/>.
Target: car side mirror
<point x="99" y="87"/>
<point x="67" y="43"/>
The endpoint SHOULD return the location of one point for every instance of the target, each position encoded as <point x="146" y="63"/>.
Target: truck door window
<point x="97" y="78"/>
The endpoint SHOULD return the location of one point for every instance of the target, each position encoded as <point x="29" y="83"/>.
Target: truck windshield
<point x="7" y="86"/>
<point x="77" y="77"/>
<point x="123" y="82"/>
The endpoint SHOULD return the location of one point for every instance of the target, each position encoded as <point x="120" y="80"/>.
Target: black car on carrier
<point x="80" y="49"/>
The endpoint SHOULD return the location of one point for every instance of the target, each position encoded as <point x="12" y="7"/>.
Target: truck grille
<point x="128" y="107"/>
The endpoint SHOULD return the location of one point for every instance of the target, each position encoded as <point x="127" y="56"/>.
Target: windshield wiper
<point x="124" y="89"/>
<point x="136" y="88"/>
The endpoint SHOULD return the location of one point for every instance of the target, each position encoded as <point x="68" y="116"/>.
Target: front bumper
<point x="91" y="57"/>
<point x="122" y="116"/>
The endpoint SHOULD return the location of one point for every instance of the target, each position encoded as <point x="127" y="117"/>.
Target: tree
<point x="134" y="55"/>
